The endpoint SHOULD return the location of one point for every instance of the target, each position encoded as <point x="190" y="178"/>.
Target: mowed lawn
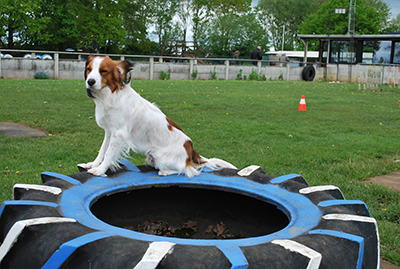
<point x="345" y="137"/>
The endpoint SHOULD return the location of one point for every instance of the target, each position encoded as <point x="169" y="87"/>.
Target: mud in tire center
<point x="134" y="218"/>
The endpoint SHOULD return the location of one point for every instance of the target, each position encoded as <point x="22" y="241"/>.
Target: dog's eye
<point x="88" y="69"/>
<point x="103" y="71"/>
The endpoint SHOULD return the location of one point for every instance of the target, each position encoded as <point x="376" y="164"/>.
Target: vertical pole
<point x="151" y="68"/>
<point x="226" y="69"/>
<point x="56" y="65"/>
<point x="190" y="68"/>
<point x="288" y="71"/>
<point x="305" y="52"/>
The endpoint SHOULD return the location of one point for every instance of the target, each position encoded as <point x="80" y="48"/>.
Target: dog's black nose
<point x="91" y="81"/>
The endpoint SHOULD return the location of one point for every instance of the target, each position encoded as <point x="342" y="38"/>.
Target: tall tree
<point x="100" y="21"/>
<point x="200" y="14"/>
<point x="283" y="18"/>
<point x="19" y="21"/>
<point x="227" y="33"/>
<point x="137" y="16"/>
<point x="325" y="20"/>
<point x="62" y="30"/>
<point x="184" y="15"/>
<point x="164" y="12"/>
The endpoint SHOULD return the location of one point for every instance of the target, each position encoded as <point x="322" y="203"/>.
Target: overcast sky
<point x="395" y="7"/>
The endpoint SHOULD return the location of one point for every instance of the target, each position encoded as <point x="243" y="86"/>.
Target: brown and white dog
<point x="131" y="122"/>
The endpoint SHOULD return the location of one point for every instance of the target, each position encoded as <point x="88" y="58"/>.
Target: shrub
<point x="165" y="76"/>
<point x="240" y="75"/>
<point x="41" y="75"/>
<point x="214" y="74"/>
<point x="194" y="74"/>
<point x="257" y="77"/>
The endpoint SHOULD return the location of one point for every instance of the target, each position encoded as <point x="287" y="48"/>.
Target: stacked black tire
<point x="51" y="226"/>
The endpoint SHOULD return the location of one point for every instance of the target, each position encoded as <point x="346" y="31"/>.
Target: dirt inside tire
<point x="190" y="213"/>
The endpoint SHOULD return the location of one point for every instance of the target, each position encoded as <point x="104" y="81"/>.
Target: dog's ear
<point x="124" y="68"/>
<point x="89" y="59"/>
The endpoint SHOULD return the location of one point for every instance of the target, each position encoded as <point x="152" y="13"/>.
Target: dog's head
<point x="103" y="72"/>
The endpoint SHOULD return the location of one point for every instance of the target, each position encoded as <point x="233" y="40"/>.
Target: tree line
<point x="219" y="26"/>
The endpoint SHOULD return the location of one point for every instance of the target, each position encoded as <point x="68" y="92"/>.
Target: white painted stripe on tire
<point x="319" y="188"/>
<point x="248" y="170"/>
<point x="52" y="190"/>
<point x="154" y="254"/>
<point x="19" y="226"/>
<point x="314" y="256"/>
<point x="348" y="217"/>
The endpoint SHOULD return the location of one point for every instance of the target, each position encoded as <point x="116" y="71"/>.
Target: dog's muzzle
<point x="89" y="93"/>
<point x="90" y="82"/>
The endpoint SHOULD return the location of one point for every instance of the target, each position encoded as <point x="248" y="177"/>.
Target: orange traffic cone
<point x="302" y="105"/>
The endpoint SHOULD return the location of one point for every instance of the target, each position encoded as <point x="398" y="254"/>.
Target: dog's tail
<point x="217" y="164"/>
<point x="212" y="163"/>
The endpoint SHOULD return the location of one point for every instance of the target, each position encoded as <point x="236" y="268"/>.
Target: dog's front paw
<point x="98" y="171"/>
<point x="167" y="172"/>
<point x="86" y="165"/>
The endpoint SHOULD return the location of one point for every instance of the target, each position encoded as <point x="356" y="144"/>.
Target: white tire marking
<point x="19" y="226"/>
<point x="52" y="190"/>
<point x="315" y="257"/>
<point x="319" y="188"/>
<point x="348" y="217"/>
<point x="154" y="254"/>
<point x="248" y="170"/>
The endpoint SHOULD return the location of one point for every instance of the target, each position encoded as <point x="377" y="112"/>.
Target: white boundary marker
<point x="314" y="256"/>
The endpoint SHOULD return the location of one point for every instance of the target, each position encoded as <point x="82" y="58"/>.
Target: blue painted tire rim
<point x="302" y="213"/>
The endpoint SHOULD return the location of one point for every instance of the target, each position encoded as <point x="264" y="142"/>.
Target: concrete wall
<point x="25" y="68"/>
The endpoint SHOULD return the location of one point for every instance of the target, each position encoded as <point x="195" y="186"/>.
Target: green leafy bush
<point x="214" y="74"/>
<point x="194" y="74"/>
<point x="165" y="76"/>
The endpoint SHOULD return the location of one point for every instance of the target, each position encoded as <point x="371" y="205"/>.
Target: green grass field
<point x="346" y="136"/>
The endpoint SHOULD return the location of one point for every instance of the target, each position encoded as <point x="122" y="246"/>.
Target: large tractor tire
<point x="257" y="221"/>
